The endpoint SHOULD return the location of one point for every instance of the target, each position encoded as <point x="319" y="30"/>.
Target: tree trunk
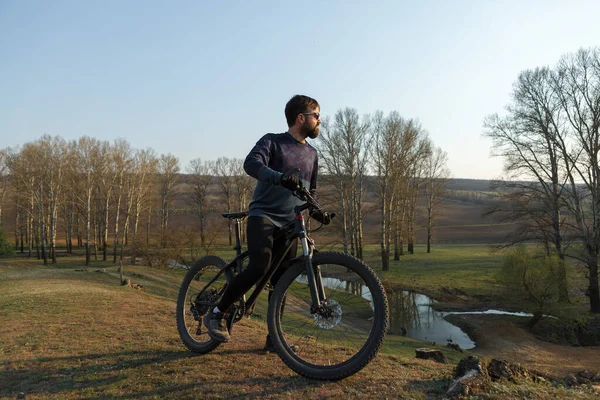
<point x="118" y="212"/>
<point x="42" y="228"/>
<point x="429" y="231"/>
<point x="537" y="316"/>
<point x="53" y="222"/>
<point x="88" y="221"/>
<point x="385" y="257"/>
<point x="105" y="230"/>
<point x="148" y="225"/>
<point x="593" y="291"/>
<point x="17" y="230"/>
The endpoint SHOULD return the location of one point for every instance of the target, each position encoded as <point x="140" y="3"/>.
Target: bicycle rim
<point x="196" y="298"/>
<point x="343" y="338"/>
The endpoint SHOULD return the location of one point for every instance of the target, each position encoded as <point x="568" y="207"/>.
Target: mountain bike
<point x="327" y="314"/>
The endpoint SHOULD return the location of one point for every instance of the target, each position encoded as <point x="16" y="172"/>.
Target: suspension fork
<point x="313" y="274"/>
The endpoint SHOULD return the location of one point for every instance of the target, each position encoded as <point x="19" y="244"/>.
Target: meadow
<point x="70" y="331"/>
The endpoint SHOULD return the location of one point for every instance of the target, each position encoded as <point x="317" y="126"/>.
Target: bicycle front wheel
<point x="341" y="338"/>
<point x="200" y="292"/>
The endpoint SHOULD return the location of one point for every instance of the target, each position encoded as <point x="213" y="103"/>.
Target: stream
<point x="412" y="315"/>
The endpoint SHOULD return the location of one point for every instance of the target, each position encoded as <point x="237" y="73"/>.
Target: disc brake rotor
<point x="330" y="316"/>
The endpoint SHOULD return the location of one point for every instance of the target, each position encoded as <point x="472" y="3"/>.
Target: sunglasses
<point x="317" y="115"/>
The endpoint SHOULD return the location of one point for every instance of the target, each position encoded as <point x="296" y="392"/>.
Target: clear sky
<point x="209" y="78"/>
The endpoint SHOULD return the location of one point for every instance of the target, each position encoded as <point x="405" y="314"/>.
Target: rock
<point x="498" y="369"/>
<point x="454" y="346"/>
<point x="469" y="383"/>
<point x="571" y="380"/>
<point x="470" y="363"/>
<point x="431" y="354"/>
<point x="583" y="377"/>
<point x="586" y="376"/>
<point x="474" y="375"/>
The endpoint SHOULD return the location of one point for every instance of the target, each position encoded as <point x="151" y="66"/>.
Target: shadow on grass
<point x="54" y="375"/>
<point x="87" y="376"/>
<point x="235" y="389"/>
<point x="432" y="387"/>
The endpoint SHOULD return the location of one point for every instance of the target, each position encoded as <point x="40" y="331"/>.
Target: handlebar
<point x="316" y="211"/>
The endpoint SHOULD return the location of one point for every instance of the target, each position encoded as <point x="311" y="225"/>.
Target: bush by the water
<point x="531" y="279"/>
<point x="5" y="247"/>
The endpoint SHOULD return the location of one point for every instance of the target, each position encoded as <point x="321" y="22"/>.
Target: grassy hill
<point x="70" y="332"/>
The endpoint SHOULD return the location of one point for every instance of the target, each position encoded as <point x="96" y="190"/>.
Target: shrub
<point x="5" y="247"/>
<point x="531" y="279"/>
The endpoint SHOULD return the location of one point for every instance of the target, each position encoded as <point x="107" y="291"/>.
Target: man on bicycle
<point x="273" y="203"/>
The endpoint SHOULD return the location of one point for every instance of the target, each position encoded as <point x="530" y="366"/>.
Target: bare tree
<point x="528" y="139"/>
<point x="122" y="160"/>
<point x="436" y="179"/>
<point x="552" y="133"/>
<point x="225" y="170"/>
<point x="52" y="158"/>
<point x="344" y="147"/>
<point x="141" y="187"/>
<point x="387" y="132"/>
<point x="168" y="173"/>
<point x="201" y="177"/>
<point x="89" y="165"/>
<point x="243" y="185"/>
<point x="398" y="149"/>
<point x="577" y="84"/>
<point x="329" y="146"/>
<point x="3" y="180"/>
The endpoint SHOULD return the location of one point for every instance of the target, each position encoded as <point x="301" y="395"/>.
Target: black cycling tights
<point x="262" y="249"/>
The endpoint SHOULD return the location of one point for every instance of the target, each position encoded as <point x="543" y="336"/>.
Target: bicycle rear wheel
<point x="339" y="340"/>
<point x="200" y="292"/>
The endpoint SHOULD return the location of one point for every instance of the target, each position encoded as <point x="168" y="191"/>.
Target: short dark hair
<point x="297" y="105"/>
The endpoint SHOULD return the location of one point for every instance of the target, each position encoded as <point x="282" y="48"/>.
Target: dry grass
<point x="68" y="334"/>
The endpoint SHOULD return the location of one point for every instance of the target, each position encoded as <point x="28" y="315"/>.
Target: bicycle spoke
<point x="200" y="292"/>
<point x="327" y="340"/>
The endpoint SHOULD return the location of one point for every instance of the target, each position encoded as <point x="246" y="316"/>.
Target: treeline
<point x="103" y="196"/>
<point x="549" y="139"/>
<point x="405" y="163"/>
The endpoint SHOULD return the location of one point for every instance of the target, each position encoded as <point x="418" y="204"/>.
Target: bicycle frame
<point x="297" y="231"/>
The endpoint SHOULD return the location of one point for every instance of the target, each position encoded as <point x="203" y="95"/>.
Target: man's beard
<point x="310" y="132"/>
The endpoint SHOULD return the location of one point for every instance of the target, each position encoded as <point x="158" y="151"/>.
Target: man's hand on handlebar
<point x="322" y="216"/>
<point x="291" y="181"/>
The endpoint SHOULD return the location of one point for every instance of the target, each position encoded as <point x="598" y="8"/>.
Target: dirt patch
<point x="503" y="339"/>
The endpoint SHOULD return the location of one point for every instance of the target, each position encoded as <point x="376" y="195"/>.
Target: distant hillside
<point x="481" y="185"/>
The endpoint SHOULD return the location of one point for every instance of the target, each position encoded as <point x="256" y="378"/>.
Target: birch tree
<point x="436" y="179"/>
<point x="142" y="185"/>
<point x="168" y="176"/>
<point x="225" y="170"/>
<point x="88" y="165"/>
<point x="201" y="176"/>
<point x="122" y="160"/>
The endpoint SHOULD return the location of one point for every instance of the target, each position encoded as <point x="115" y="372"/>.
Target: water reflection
<point x="411" y="314"/>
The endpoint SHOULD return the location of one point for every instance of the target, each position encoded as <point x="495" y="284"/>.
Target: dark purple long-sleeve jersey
<point x="272" y="156"/>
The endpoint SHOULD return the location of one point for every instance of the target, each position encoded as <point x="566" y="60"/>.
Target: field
<point x="70" y="332"/>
